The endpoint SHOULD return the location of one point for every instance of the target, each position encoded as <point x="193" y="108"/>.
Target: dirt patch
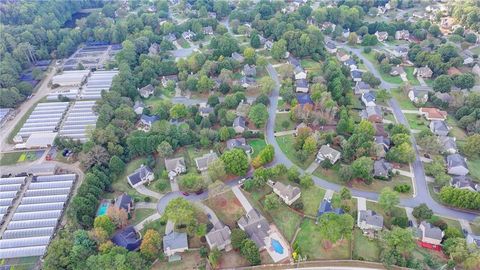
<point x="227" y="207"/>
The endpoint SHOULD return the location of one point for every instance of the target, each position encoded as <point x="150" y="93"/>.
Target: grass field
<point x="416" y="121"/>
<point x="410" y="77"/>
<point x="474" y="167"/>
<point x="403" y="100"/>
<point x="456" y="131"/>
<point x="16" y="157"/>
<point x="311" y="199"/>
<point x="286" y="144"/>
<point x="330" y="175"/>
<point x="182" y="42"/>
<point x="141" y="214"/>
<point x="191" y="259"/>
<point x="377" y="185"/>
<point x="280" y="118"/>
<point x="364" y="247"/>
<point x="227" y="207"/>
<point x="313" y="245"/>
<point x="257" y="145"/>
<point x="387" y="219"/>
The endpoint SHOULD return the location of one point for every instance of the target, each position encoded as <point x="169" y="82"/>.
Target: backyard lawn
<point x="182" y="42"/>
<point x="402" y="100"/>
<point x="280" y="118"/>
<point x="312" y="244"/>
<point x="311" y="199"/>
<point x="364" y="247"/>
<point x="141" y="214"/>
<point x="410" y="77"/>
<point x="474" y="167"/>
<point x="286" y="220"/>
<point x="286" y="144"/>
<point x="416" y="121"/>
<point x="227" y="207"/>
<point x="191" y="259"/>
<point x="257" y="145"/>
<point x="387" y="220"/>
<point x="456" y="131"/>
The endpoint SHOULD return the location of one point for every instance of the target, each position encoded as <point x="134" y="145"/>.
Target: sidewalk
<point x="284" y="133"/>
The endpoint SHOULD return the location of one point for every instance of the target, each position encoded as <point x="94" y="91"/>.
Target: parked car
<point x="410" y="223"/>
<point x="185" y="193"/>
<point x="199" y="192"/>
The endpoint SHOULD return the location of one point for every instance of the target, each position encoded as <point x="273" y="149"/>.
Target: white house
<point x="175" y="166"/>
<point x="326" y="152"/>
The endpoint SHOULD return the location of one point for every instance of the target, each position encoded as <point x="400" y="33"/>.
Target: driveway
<point x="147" y="192"/>
<point x="243" y="200"/>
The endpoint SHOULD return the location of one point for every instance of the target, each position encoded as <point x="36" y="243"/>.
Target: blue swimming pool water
<point x="102" y="210"/>
<point x="277" y="246"/>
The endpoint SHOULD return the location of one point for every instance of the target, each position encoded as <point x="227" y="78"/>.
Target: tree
<point x="236" y="161"/>
<point x="237" y="238"/>
<point x="402" y="153"/>
<point x="265" y="156"/>
<point x="216" y="170"/>
<point x="178" y="111"/>
<point x="250" y="252"/>
<point x="306" y="181"/>
<point x="116" y="165"/>
<point x="179" y="211"/>
<point x="369" y="78"/>
<point x="279" y="49"/>
<point x="205" y="84"/>
<point x="464" y="81"/>
<point x="214" y="257"/>
<point x="472" y="145"/>
<point x="352" y="39"/>
<point x="388" y="199"/>
<point x="249" y="54"/>
<point x="346" y="173"/>
<point x="399" y="240"/>
<point x="362" y="168"/>
<point x="258" y="114"/>
<point x="105" y="223"/>
<point x="266" y="84"/>
<point x="422" y="212"/>
<point x="151" y="244"/>
<point x="442" y="84"/>
<point x="333" y="227"/>
<point x="118" y="216"/>
<point x="191" y="182"/>
<point x="164" y="149"/>
<point x="462" y="198"/>
<point x="255" y="41"/>
<point x="271" y="201"/>
<point x="345" y="193"/>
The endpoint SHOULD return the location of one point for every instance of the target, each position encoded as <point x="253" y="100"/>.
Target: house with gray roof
<point x="464" y="182"/>
<point x="326" y="207"/>
<point x="424" y="72"/>
<point x="457" y="165"/>
<point x="138" y="107"/>
<point x="473" y="240"/>
<point x="382" y="169"/>
<point x="368" y="220"/>
<point x="140" y="176"/>
<point x="204" y="161"/>
<point x="397" y="71"/>
<point x="427" y="233"/>
<point x="372" y="114"/>
<point x="301" y="86"/>
<point x="238" y="57"/>
<point x="419" y="94"/>
<point x="330" y="47"/>
<point x="288" y="193"/>
<point x="351" y="64"/>
<point x="239" y="124"/>
<point x="382" y="145"/>
<point x="175" y="166"/>
<point x="208" y="30"/>
<point x="205" y="111"/>
<point x="174" y="243"/>
<point x="326" y="152"/>
<point x="242" y="109"/>
<point x="293" y="61"/>
<point x="170" y="37"/>
<point x="448" y="144"/>
<point x="219" y="237"/>
<point x="127" y="238"/>
<point x="362" y="88"/>
<point x="125" y="202"/>
<point x="146" y="91"/>
<point x="369" y="98"/>
<point x="256" y="226"/>
<point x="356" y="75"/>
<point x="239" y="143"/>
<point x="249" y="70"/>
<point x="439" y="128"/>
<point x="300" y="73"/>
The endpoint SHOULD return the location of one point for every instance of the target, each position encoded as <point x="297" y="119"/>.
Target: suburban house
<point x="397" y="71"/>
<point x="204" y="161"/>
<point x="400" y="52"/>
<point x="304" y="99"/>
<point x="424" y="72"/>
<point x="166" y="79"/>
<point x="439" y="128"/>
<point x="382" y="169"/>
<point x="256" y="226"/>
<point x="362" y="88"/>
<point x="239" y="124"/>
<point x="326" y="152"/>
<point x="330" y="47"/>
<point x="242" y="109"/>
<point x="170" y="37"/>
<point x="124" y="202"/>
<point x="268" y="45"/>
<point x="402" y="34"/>
<point x="293" y="61"/>
<point x="138" y="107"/>
<point x="174" y="243"/>
<point x="140" y="176"/>
<point x="457" y="165"/>
<point x="368" y="98"/>
<point x="301" y="86"/>
<point x="432" y="114"/>
<point x="418" y="94"/>
<point x="175" y="166"/>
<point x="219" y="237"/>
<point x="146" y="121"/>
<point x="382" y="145"/>
<point x="127" y="238"/>
<point x="146" y="91"/>
<point x="154" y="49"/>
<point x="246" y="81"/>
<point x="239" y="143"/>
<point x="300" y="73"/>
<point x="342" y="56"/>
<point x="205" y="111"/>
<point x="327" y="25"/>
<point x="188" y="35"/>
<point x="381" y="36"/>
<point x="356" y="75"/>
<point x="448" y="144"/>
<point x="326" y="207"/>
<point x="249" y="70"/>
<point x="430" y="235"/>
<point x="464" y="182"/>
<point x="351" y="64"/>
<point x="289" y="194"/>
<point x="208" y="30"/>
<point x="368" y="220"/>
<point x="372" y="114"/>
<point x="238" y="57"/>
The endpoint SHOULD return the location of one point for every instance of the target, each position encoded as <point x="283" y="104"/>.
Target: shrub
<point x="147" y="199"/>
<point x="298" y="205"/>
<point x="404" y="188"/>
<point x="367" y="49"/>
<point x="400" y="222"/>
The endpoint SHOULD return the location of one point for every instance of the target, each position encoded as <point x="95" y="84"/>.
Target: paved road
<point x="423" y="195"/>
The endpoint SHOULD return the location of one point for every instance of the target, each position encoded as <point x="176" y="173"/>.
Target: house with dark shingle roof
<point x="146" y="91"/>
<point x="369" y="98"/>
<point x="382" y="145"/>
<point x="362" y="88"/>
<point x="464" y="182"/>
<point x="293" y="61"/>
<point x="239" y="143"/>
<point x="457" y="165"/>
<point x="326" y="207"/>
<point x="147" y="120"/>
<point x="256" y="226"/>
<point x="124" y="202"/>
<point x="238" y="57"/>
<point x="330" y="47"/>
<point x="419" y="94"/>
<point x="356" y="75"/>
<point x="249" y="70"/>
<point x="175" y="166"/>
<point x="368" y="220"/>
<point x="127" y="238"/>
<point x="382" y="169"/>
<point x="448" y="144"/>
<point x="140" y="176"/>
<point x="239" y="124"/>
<point x="219" y="237"/>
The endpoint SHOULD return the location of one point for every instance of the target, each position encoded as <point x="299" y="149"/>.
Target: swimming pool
<point x="277" y="246"/>
<point x="102" y="209"/>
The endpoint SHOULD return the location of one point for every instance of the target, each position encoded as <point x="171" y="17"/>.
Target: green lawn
<point x="410" y="77"/>
<point x="311" y="199"/>
<point x="141" y="214"/>
<point x="474" y="167"/>
<point x="17" y="157"/>
<point x="365" y="248"/>
<point x="286" y="144"/>
<point x="157" y="225"/>
<point x="154" y="103"/>
<point x="280" y="118"/>
<point x="121" y="184"/>
<point x="257" y="145"/>
<point x="312" y="66"/>
<point x="389" y="116"/>
<point x="286" y="220"/>
<point x="403" y="100"/>
<point x="312" y="244"/>
<point x="378" y="185"/>
<point x="387" y="220"/>
<point x="387" y="77"/>
<point x="182" y="42"/>
<point x="417" y="121"/>
<point x="475" y="228"/>
<point x="330" y="175"/>
<point x="456" y="131"/>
